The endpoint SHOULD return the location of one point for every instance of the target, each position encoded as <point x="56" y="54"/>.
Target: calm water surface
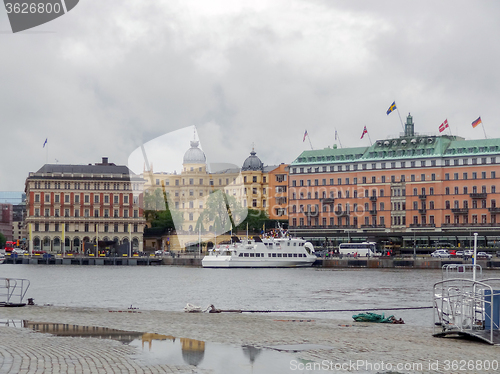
<point x="171" y="288"/>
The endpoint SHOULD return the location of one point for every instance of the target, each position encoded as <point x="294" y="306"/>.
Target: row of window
<point x="191" y="181"/>
<point x="125" y="186"/>
<point x="86" y="199"/>
<point x="394" y="192"/>
<point x="384" y="165"/>
<point x="86" y="213"/>
<point x="394" y="206"/>
<point x="86" y="227"/>
<point x="272" y="255"/>
<point x="383" y="179"/>
<point x="395" y="221"/>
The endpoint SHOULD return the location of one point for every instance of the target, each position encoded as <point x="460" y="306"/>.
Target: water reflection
<point x="155" y="349"/>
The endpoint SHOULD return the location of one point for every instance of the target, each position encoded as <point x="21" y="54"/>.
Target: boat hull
<point x="237" y="262"/>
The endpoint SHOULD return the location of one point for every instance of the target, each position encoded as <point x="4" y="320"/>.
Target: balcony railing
<point x="415" y="225"/>
<point x="373" y="211"/>
<point x="494" y="209"/>
<point x="460" y="210"/>
<point x="422" y="211"/>
<point x="422" y="197"/>
<point x="373" y="198"/>
<point x="481" y="195"/>
<point x="327" y="200"/>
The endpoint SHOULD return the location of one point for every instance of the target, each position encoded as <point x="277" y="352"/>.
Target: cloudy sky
<point x="108" y="76"/>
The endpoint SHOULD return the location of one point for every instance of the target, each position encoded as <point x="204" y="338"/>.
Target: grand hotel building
<point x="412" y="188"/>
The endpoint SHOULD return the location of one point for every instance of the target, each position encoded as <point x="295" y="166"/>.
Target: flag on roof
<point x="365" y="131"/>
<point x="443" y="126"/>
<point x="44" y="143"/>
<point x="476" y="122"/>
<point x="392" y="108"/>
<point x="305" y="134"/>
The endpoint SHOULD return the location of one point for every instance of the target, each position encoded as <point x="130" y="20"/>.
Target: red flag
<point x="443" y="126"/>
<point x="365" y="131"/>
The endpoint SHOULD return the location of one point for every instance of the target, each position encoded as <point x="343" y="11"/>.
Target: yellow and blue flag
<point x="391" y="108"/>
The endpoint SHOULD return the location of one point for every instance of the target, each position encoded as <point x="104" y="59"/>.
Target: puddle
<point x="155" y="349"/>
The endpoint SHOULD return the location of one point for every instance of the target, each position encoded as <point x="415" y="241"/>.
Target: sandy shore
<point x="20" y="349"/>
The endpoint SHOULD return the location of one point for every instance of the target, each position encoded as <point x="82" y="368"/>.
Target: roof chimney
<point x="104" y="160"/>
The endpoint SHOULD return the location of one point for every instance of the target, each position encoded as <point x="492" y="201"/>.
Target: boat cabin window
<point x="279" y="254"/>
<point x="294" y="244"/>
<point x="246" y="254"/>
<point x="274" y="254"/>
<point x="295" y="255"/>
<point x="252" y="254"/>
<point x="241" y="255"/>
<point x="288" y="244"/>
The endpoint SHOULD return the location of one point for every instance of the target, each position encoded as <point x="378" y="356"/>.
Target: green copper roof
<point x="400" y="148"/>
<point x="330" y="155"/>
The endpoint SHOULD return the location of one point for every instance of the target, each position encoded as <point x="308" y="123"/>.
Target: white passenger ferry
<point x="261" y="253"/>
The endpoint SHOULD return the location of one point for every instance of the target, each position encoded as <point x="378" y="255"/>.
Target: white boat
<point x="261" y="253"/>
<point x="2" y="257"/>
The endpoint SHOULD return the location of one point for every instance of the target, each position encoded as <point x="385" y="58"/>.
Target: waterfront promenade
<point x="342" y="342"/>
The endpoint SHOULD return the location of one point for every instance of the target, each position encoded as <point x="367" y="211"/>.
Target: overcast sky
<point x="109" y="75"/>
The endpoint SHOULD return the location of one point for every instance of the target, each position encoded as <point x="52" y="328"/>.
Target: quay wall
<point x="370" y="263"/>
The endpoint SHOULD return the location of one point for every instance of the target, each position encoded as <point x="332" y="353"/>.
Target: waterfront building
<point x="188" y="192"/>
<point x="413" y="188"/>
<point x="69" y="205"/>
<point x="278" y="193"/>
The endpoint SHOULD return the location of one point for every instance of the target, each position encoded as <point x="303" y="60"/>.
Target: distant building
<point x="84" y="204"/>
<point x="412" y="186"/>
<point x="6" y="221"/>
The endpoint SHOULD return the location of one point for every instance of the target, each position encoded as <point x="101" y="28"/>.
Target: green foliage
<point x="157" y="211"/>
<point x="222" y="211"/>
<point x="3" y="239"/>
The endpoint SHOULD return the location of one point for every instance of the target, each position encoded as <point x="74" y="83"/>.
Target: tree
<point x="223" y="212"/>
<point x="3" y="240"/>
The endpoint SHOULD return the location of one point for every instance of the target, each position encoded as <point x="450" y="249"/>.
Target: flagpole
<point x="338" y="137"/>
<point x="370" y="139"/>
<point x="308" y="137"/>
<point x="403" y="126"/>
<point x="482" y="125"/>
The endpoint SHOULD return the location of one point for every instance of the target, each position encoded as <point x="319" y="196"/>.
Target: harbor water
<point x="291" y="291"/>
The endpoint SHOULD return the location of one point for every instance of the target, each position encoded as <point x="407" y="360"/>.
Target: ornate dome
<point x="253" y="162"/>
<point x="194" y="155"/>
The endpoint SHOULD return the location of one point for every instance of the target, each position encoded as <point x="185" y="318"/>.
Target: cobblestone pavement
<point x="24" y="351"/>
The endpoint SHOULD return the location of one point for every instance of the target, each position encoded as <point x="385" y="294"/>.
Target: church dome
<point x="194" y="155"/>
<point x="253" y="162"/>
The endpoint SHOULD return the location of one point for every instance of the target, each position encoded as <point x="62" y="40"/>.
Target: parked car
<point x="459" y="253"/>
<point x="441" y="253"/>
<point x="498" y="253"/>
<point x="484" y="255"/>
<point x="20" y="251"/>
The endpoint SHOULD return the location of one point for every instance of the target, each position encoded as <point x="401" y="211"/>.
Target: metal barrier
<point x="12" y="291"/>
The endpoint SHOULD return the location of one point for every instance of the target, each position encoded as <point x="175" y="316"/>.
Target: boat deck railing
<point x="13" y="291"/>
<point x="467" y="307"/>
<point x="461" y="271"/>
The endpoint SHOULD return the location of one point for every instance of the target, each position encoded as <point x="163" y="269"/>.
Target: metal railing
<point x="13" y="290"/>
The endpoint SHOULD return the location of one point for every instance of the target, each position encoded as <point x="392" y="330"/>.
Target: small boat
<point x="2" y="258"/>
<point x="261" y="253"/>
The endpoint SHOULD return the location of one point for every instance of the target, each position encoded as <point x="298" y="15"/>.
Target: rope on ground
<point x="333" y="310"/>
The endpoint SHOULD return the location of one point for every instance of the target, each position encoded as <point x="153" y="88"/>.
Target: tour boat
<point x="261" y="253"/>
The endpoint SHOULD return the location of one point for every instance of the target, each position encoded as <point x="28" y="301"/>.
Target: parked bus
<point x="365" y="249"/>
<point x="9" y="246"/>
